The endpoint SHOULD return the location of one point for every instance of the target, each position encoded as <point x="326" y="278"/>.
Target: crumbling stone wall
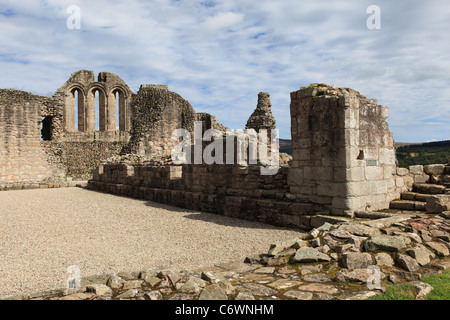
<point x="343" y="152"/>
<point x="209" y="122"/>
<point x="343" y="162"/>
<point x="156" y="113"/>
<point x="262" y="117"/>
<point x="40" y="141"/>
<point x="21" y="156"/>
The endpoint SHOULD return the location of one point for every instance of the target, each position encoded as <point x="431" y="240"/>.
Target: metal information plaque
<point x="372" y="162"/>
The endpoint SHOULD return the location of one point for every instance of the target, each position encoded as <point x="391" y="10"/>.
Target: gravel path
<point x="44" y="231"/>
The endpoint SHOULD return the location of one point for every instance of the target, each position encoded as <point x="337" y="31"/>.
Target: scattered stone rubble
<point x="332" y="262"/>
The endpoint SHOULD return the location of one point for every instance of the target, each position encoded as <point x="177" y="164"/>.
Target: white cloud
<point x="222" y="20"/>
<point x="220" y="54"/>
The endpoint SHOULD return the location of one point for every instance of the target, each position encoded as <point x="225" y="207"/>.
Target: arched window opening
<point x="75" y="107"/>
<point x="97" y="110"/>
<point x="120" y="110"/>
<point x="47" y="128"/>
<point x="75" y="117"/>
<point x="117" y="110"/>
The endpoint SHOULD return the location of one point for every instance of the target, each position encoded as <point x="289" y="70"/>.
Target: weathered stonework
<point x="108" y="87"/>
<point x="262" y="117"/>
<point x="293" y="269"/>
<point x="156" y="113"/>
<point x="21" y="156"/>
<point x="343" y="152"/>
<point x="343" y="158"/>
<point x="42" y="142"/>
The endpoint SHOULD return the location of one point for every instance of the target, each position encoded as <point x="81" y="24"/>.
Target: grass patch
<point x="397" y="292"/>
<point x="440" y="283"/>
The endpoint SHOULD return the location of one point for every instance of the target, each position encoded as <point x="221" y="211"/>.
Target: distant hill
<point x="285" y="146"/>
<point x="423" y="153"/>
<point x="408" y="154"/>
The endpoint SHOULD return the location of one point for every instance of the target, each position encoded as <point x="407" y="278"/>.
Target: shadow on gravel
<point x="234" y="222"/>
<point x="208" y="217"/>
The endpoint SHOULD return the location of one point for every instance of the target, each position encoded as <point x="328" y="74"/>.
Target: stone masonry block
<point x="386" y="156"/>
<point x="416" y="169"/>
<point x="402" y="171"/>
<point x="295" y="176"/>
<point x="374" y="173"/>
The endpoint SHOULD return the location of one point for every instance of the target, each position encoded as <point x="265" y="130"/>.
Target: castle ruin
<point x="343" y="157"/>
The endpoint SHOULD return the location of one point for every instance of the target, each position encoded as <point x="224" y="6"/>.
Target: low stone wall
<point x="41" y="185"/>
<point x="230" y="190"/>
<point x="433" y="173"/>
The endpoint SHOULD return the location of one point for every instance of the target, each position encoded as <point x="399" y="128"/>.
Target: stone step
<point x="372" y="215"/>
<point x="407" y="205"/>
<point x="319" y="220"/>
<point x="414" y="196"/>
<point x="428" y="188"/>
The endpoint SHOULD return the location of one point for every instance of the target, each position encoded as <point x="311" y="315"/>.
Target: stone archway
<point x="75" y="109"/>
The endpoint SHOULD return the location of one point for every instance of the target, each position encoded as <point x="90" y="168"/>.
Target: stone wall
<point x="22" y="158"/>
<point x="108" y="87"/>
<point x="419" y="174"/>
<point x="230" y="190"/>
<point x="63" y="149"/>
<point x="156" y="113"/>
<point x="40" y="141"/>
<point x="343" y="152"/>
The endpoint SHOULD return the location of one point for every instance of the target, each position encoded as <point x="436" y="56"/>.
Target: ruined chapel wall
<point x="156" y="113"/>
<point x="85" y="84"/>
<point x="22" y="159"/>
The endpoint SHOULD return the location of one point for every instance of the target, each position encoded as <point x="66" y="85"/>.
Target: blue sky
<point x="220" y="54"/>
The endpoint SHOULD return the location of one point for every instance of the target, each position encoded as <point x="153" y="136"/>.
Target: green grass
<point x="440" y="283"/>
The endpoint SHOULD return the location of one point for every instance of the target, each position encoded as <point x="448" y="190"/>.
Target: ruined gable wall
<point x="85" y="84"/>
<point x="82" y="149"/>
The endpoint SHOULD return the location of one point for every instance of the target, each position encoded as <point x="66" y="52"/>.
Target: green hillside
<point x="408" y="154"/>
<point x="423" y="153"/>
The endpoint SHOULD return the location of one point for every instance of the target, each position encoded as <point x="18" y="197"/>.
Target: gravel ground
<point x="44" y="231"/>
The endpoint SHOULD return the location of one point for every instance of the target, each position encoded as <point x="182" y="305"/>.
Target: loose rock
<point x="298" y="295"/>
<point x="309" y="255"/>
<point x="213" y="292"/>
<point x="407" y="263"/>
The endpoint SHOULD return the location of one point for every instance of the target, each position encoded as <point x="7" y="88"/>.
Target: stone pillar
<point x="343" y="152"/>
<point x="69" y="112"/>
